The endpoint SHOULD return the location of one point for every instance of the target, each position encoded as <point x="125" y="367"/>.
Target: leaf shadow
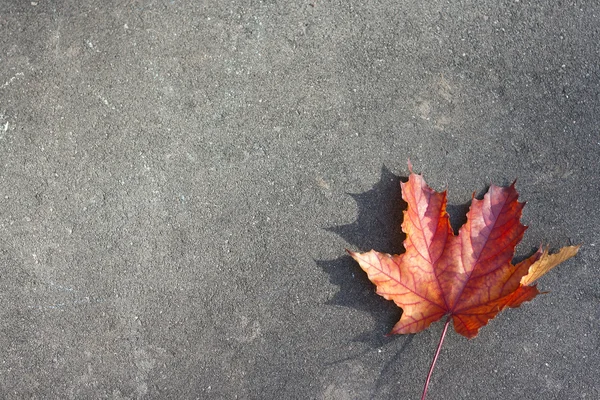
<point x="378" y="226"/>
<point x="458" y="215"/>
<point x="357" y="292"/>
<point x="380" y="213"/>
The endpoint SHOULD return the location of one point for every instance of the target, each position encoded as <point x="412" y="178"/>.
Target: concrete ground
<point x="179" y="180"/>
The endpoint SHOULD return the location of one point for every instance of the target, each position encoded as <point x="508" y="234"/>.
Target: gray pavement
<point x="179" y="180"/>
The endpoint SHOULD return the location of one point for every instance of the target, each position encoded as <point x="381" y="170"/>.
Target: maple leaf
<point x="469" y="277"/>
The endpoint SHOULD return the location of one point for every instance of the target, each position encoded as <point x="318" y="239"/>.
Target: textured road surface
<point x="179" y="179"/>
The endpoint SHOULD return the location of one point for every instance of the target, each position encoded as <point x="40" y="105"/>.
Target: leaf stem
<point x="437" y="353"/>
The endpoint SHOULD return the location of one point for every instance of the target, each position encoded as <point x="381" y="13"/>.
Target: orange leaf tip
<point x="548" y="261"/>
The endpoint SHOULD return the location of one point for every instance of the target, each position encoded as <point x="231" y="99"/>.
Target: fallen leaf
<point x="468" y="276"/>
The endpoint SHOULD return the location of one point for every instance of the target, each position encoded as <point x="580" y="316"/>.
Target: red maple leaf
<point x="469" y="277"/>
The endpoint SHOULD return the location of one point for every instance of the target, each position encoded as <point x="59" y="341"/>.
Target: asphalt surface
<point x="179" y="180"/>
